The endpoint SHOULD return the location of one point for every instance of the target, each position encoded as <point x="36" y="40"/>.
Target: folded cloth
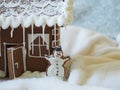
<point x="95" y="57"/>
<point x="76" y="40"/>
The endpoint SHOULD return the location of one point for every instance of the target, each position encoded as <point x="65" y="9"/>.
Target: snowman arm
<point x="50" y="59"/>
<point x="67" y="58"/>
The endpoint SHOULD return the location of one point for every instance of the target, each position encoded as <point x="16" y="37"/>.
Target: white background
<point x="98" y="15"/>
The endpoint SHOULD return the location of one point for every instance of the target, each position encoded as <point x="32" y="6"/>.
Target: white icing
<point x="17" y="65"/>
<point x="38" y="21"/>
<point x="32" y="30"/>
<point x="55" y="34"/>
<point x="39" y="12"/>
<point x="5" y="22"/>
<point x="24" y="58"/>
<point x="11" y="33"/>
<point x="5" y="58"/>
<point x="13" y="62"/>
<point x="15" y="22"/>
<point x="24" y="49"/>
<point x="39" y="47"/>
<point x="23" y="36"/>
<point x="51" y="20"/>
<point x="43" y="31"/>
<point x="61" y="20"/>
<point x="11" y="4"/>
<point x="27" y="21"/>
<point x="56" y="66"/>
<point x="39" y="38"/>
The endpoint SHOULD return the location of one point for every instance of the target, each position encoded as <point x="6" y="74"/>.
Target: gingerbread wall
<point x="7" y="41"/>
<point x="37" y="63"/>
<point x="33" y="63"/>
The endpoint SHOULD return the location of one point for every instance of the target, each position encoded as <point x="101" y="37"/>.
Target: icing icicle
<point x="24" y="49"/>
<point x="11" y="33"/>
<point x="23" y="36"/>
<point x="39" y="47"/>
<point x="43" y="33"/>
<point x="40" y="12"/>
<point x="32" y="28"/>
<point x="0" y="41"/>
<point x="55" y="34"/>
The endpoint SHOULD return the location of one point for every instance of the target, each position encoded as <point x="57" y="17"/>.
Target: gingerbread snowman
<point x="57" y="62"/>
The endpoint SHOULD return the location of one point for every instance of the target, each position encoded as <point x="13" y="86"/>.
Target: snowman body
<point x="56" y="68"/>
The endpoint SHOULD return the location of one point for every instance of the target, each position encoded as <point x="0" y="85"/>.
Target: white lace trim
<point x="26" y="12"/>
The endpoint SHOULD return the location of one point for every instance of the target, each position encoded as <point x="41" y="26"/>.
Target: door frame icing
<point x="13" y="62"/>
<point x="16" y="64"/>
<point x="5" y="55"/>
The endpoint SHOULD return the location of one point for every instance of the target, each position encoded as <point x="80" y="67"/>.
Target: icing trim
<point x="39" y="20"/>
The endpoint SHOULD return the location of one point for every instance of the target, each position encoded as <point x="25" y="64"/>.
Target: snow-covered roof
<point x="38" y="12"/>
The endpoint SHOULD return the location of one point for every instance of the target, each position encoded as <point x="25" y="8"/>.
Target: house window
<point x="37" y="46"/>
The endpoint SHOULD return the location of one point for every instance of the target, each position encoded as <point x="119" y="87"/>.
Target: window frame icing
<point x="31" y="45"/>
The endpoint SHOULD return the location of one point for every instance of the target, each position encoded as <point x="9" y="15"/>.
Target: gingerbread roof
<point x="38" y="12"/>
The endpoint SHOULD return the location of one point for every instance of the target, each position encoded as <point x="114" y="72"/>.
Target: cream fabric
<point x="95" y="57"/>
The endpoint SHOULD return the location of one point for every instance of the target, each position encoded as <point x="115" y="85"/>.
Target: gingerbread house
<point x="29" y="30"/>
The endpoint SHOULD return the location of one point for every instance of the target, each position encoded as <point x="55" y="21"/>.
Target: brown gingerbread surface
<point x="14" y="60"/>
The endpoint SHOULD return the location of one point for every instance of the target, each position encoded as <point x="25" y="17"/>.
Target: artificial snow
<point x="46" y="83"/>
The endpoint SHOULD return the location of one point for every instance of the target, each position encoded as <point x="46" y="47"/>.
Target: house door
<point x="16" y="64"/>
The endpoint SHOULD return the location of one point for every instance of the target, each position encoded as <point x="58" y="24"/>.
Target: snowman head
<point x="58" y="52"/>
